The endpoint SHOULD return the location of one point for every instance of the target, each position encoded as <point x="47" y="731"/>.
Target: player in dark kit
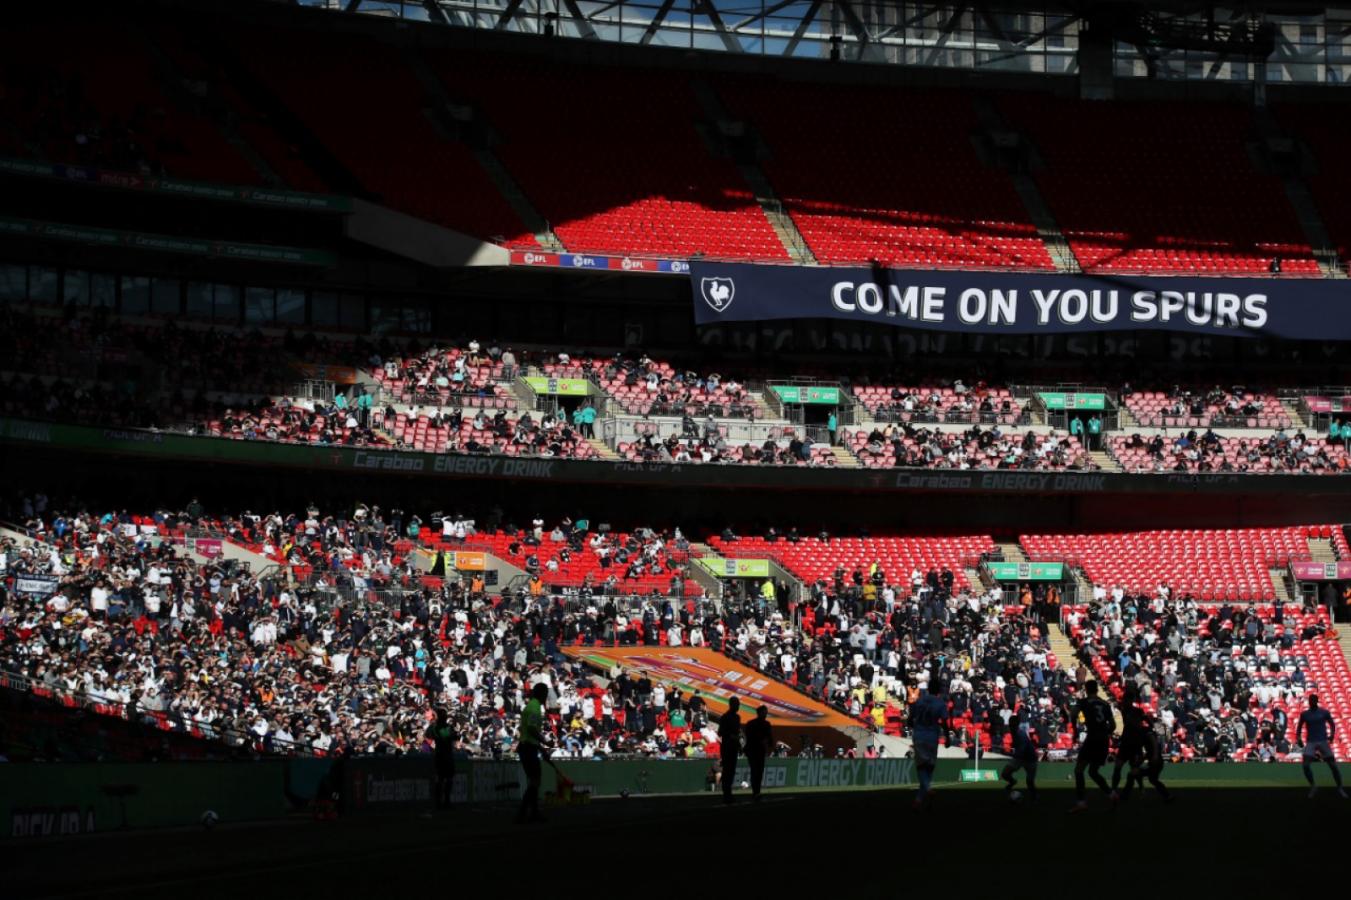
<point x="1138" y="750"/>
<point x="1024" y="756"/>
<point x="729" y="736"/>
<point x="1316" y="731"/>
<point x="1098" y="726"/>
<point x="443" y="743"/>
<point x="759" y="741"/>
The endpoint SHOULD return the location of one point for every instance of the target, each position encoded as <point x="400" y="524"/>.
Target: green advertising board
<point x="1058" y="400"/>
<point x="566" y="387"/>
<point x="1027" y="571"/>
<point x="734" y="568"/>
<point x="823" y="395"/>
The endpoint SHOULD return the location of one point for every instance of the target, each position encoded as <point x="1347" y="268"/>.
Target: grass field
<point x="827" y="842"/>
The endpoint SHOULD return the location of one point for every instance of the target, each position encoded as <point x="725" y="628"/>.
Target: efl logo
<point x="718" y="292"/>
<point x="536" y="259"/>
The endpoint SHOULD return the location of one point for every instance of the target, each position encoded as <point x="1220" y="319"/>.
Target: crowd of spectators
<point x="1208" y="452"/>
<point x="209" y="648"/>
<point x="647" y="387"/>
<point x="440" y="376"/>
<point x="711" y="446"/>
<point x="1218" y="407"/>
<point x="904" y="444"/>
<point x="1221" y="680"/>
<point x="955" y="403"/>
<point x="476" y="431"/>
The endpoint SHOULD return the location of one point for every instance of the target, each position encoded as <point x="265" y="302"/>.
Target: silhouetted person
<point x="1317" y="729"/>
<point x="443" y="740"/>
<point x="1100" y="725"/>
<point x="729" y="736"/>
<point x="759" y="742"/>
<point x="530" y="749"/>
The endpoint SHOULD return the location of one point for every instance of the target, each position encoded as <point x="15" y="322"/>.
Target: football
<point x="1015" y="796"/>
<point x="209" y="819"/>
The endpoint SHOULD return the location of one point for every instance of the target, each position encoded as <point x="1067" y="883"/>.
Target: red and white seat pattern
<point x="1270" y="456"/>
<point x="584" y="563"/>
<point x="739" y="454"/>
<point x="1231" y="564"/>
<point x="932" y="403"/>
<point x="812" y="559"/>
<point x="1155" y="409"/>
<point x="418" y="433"/>
<point x="675" y="392"/>
<point x="971" y="456"/>
<point x="1183" y="195"/>
<point x="414" y="381"/>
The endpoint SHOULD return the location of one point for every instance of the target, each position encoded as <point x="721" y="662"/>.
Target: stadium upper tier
<point x="675" y="163"/>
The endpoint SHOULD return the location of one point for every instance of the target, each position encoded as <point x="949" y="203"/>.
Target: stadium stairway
<point x="1344" y="639"/>
<point x="1301" y="200"/>
<point x="1105" y="460"/>
<point x="172" y="80"/>
<point x="784" y="228"/>
<point x="603" y="450"/>
<point x="779" y="219"/>
<point x="1320" y="550"/>
<point x="1299" y="418"/>
<point x="1061" y="646"/>
<point x="1012" y="551"/>
<point x="844" y="459"/>
<point x="892" y="746"/>
<point x="506" y="185"/>
<point x="1038" y="210"/>
<point x="1280" y="580"/>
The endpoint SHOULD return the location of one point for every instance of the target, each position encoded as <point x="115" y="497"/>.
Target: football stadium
<point x="661" y="446"/>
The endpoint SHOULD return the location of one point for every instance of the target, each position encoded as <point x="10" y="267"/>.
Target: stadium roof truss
<point x="1274" y="43"/>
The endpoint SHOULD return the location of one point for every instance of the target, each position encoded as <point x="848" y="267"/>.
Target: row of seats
<point x="1232" y="564"/>
<point x="1315" y="456"/>
<point x="646" y="171"/>
<point x="1174" y="410"/>
<point x="812" y="559"/>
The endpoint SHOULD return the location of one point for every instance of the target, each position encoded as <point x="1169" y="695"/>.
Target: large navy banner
<point x="1022" y="303"/>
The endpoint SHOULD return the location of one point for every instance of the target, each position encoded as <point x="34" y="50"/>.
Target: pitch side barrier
<point x="370" y="461"/>
<point x="40" y="800"/>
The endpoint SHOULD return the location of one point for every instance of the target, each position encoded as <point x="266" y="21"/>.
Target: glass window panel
<point x="199" y="304"/>
<point x="324" y="309"/>
<point x="352" y="315"/>
<point x="103" y="290"/>
<point x="13" y="283"/>
<point x="227" y="303"/>
<point x="135" y="294"/>
<point x="75" y="288"/>
<point x="164" y="297"/>
<point x="258" y="305"/>
<point x="291" y="306"/>
<point x="42" y="285"/>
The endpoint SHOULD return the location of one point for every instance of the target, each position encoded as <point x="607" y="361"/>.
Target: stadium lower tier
<point x="353" y="628"/>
